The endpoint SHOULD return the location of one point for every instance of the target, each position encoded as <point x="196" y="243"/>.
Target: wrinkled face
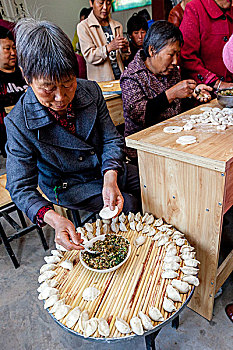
<point x="165" y="61"/>
<point x="55" y="95"/>
<point x="7" y="54"/>
<point x="137" y="37"/>
<point x="101" y="9"/>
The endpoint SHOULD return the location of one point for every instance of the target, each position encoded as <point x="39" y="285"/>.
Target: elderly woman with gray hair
<point x="151" y="86"/>
<point x="61" y="137"/>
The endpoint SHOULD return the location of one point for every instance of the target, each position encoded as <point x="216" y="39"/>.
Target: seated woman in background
<point x="12" y="84"/>
<point x="136" y="29"/>
<point x="177" y="13"/>
<point x="102" y="43"/>
<point x="151" y="86"/>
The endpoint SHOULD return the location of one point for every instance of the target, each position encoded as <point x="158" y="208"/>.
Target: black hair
<point x="145" y="14"/>
<point x="85" y="12"/>
<point x="160" y="34"/>
<point x="44" y="51"/>
<point x="136" y="22"/>
<point x="6" y="33"/>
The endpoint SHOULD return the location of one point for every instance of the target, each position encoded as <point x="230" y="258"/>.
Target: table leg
<point x="150" y="340"/>
<point x="176" y="322"/>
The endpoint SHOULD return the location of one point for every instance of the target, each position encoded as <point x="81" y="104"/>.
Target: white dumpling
<point x="188" y="255"/>
<point x="171" y="252"/>
<point x="136" y="325"/>
<point x="67" y="264"/>
<point x="168" y="305"/>
<point x="186" y="248"/>
<point x="169" y="245"/>
<point x="169" y="274"/>
<point x="146" y="228"/>
<point x="51" y="301"/>
<point x="132" y="225"/>
<point x="89" y="227"/>
<point x="47" y="267"/>
<point x="191" y="262"/>
<point x="81" y="230"/>
<point x="173" y="293"/>
<point x="139" y="241"/>
<point x="123" y="228"/>
<point x="106" y="221"/>
<point x="115" y="227"/>
<point x="52" y="259"/>
<point x="131" y="217"/>
<point x="122" y="217"/>
<point x="90" y="326"/>
<point x="178" y="234"/>
<point x="138" y="217"/>
<point x="171" y="266"/>
<point x="49" y="283"/>
<point x="180" y="241"/>
<point x="162" y="228"/>
<point x="56" y="252"/>
<point x="150" y="219"/>
<point x="106" y="228"/>
<point x="146" y="322"/>
<point x="144" y="218"/>
<point x="90" y="293"/>
<point x="47" y="292"/>
<point x="157" y="236"/>
<point x="122" y="326"/>
<point x="169" y="259"/>
<point x="62" y="311"/>
<point x="60" y="247"/>
<point x="151" y="232"/>
<point x="46" y="276"/>
<point x="55" y="305"/>
<point x="98" y="231"/>
<point x="155" y="314"/>
<point x="139" y="226"/>
<point x="187" y="270"/>
<point x="82" y="319"/>
<point x="169" y="232"/>
<point x="182" y="287"/>
<point x="162" y="240"/>
<point x="90" y="235"/>
<point x="191" y="280"/>
<point x="73" y="317"/>
<point x="98" y="223"/>
<point x="158" y="222"/>
<point x="103" y="327"/>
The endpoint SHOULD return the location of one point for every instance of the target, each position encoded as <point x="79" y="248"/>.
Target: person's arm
<point x="190" y="52"/>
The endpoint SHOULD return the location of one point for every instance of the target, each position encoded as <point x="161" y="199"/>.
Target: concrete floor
<point x="25" y="325"/>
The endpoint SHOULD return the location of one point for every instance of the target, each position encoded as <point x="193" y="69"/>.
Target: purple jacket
<point x="205" y="29"/>
<point x="138" y="86"/>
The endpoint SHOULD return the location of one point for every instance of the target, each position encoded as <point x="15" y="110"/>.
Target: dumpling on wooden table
<point x="90" y="326"/>
<point x="171" y="266"/>
<point x="169" y="259"/>
<point x="187" y="270"/>
<point x="146" y="321"/>
<point x="67" y="264"/>
<point x="173" y="293"/>
<point x="56" y="252"/>
<point x="182" y="287"/>
<point x="122" y="217"/>
<point x="46" y="276"/>
<point x="103" y="327"/>
<point x="47" y="292"/>
<point x="132" y="225"/>
<point x="191" y="280"/>
<point x="168" y="305"/>
<point x="90" y="293"/>
<point x="51" y="301"/>
<point x="155" y="314"/>
<point x="123" y="228"/>
<point x="47" y="267"/>
<point x="82" y="319"/>
<point x="169" y="274"/>
<point x="49" y="283"/>
<point x="55" y="305"/>
<point x="73" y="317"/>
<point x="139" y="241"/>
<point x="62" y="311"/>
<point x="122" y="326"/>
<point x="191" y="262"/>
<point x="52" y="259"/>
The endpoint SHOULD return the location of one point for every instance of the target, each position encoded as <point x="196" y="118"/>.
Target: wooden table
<point x="113" y="101"/>
<point x="190" y="187"/>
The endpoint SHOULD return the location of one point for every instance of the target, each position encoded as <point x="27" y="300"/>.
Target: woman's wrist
<point x="170" y="95"/>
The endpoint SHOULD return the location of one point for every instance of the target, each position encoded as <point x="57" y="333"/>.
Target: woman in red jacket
<point x="206" y="27"/>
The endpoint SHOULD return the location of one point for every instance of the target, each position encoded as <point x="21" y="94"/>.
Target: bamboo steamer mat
<point x="135" y="286"/>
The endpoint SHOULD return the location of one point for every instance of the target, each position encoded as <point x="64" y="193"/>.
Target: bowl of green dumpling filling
<point x="225" y="97"/>
<point x="112" y="252"/>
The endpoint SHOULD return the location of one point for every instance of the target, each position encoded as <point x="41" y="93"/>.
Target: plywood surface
<point x="5" y="197"/>
<point x="115" y="107"/>
<point x="213" y="150"/>
<point x="191" y="198"/>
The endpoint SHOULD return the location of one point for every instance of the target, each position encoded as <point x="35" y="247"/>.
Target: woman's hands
<point x="111" y="194"/>
<point x="183" y="89"/>
<point x="65" y="234"/>
<point x="202" y="93"/>
<point x="118" y="43"/>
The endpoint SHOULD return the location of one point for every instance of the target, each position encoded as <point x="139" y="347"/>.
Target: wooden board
<point x="213" y="149"/>
<point x="131" y="288"/>
<point x="5" y="197"/>
<point x="110" y="86"/>
<point x="190" y="198"/>
<point x="115" y="107"/>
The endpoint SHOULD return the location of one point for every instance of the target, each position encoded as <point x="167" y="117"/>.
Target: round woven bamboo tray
<point x="124" y="292"/>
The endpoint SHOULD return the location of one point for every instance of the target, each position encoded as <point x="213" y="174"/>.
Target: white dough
<point x="90" y="326"/>
<point x="139" y="241"/>
<point x="46" y="276"/>
<point x="182" y="287"/>
<point x="47" y="292"/>
<point x="103" y="327"/>
<point x="57" y="253"/>
<point x="123" y="228"/>
<point x="62" y="311"/>
<point x="132" y="225"/>
<point x="90" y="293"/>
<point x="172" y="129"/>
<point x="187" y="270"/>
<point x="158" y="222"/>
<point x="107" y="213"/>
<point x="51" y="301"/>
<point x="169" y="274"/>
<point x="55" y="305"/>
<point x="47" y="267"/>
<point x="155" y="314"/>
<point x="191" y="280"/>
<point x="73" y="317"/>
<point x="171" y="266"/>
<point x="82" y="319"/>
<point x="146" y="322"/>
<point x="122" y="326"/>
<point x="67" y="264"/>
<point x="131" y="217"/>
<point x="49" y="283"/>
<point x="52" y="259"/>
<point x="173" y="294"/>
<point x="115" y="227"/>
<point x="168" y="305"/>
<point x="60" y="247"/>
<point x="191" y="262"/>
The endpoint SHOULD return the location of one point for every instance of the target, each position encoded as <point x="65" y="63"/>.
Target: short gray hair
<point x="44" y="51"/>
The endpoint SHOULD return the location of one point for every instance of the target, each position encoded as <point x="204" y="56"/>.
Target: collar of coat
<point x="37" y="117"/>
<point x="214" y="10"/>
<point x="92" y="21"/>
